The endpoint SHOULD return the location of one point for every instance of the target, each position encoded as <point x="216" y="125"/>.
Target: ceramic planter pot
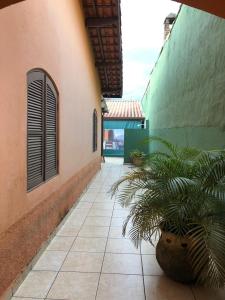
<point x="171" y="254"/>
<point x="138" y="161"/>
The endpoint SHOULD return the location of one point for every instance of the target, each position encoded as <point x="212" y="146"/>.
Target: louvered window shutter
<point x="42" y="160"/>
<point x="35" y="129"/>
<point x="51" y="131"/>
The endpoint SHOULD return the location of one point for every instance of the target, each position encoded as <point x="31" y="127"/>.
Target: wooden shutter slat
<point x="35" y="160"/>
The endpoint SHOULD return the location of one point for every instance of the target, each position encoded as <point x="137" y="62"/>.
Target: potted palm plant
<point x="137" y="157"/>
<point x="180" y="196"/>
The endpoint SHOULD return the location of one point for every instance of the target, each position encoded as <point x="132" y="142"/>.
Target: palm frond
<point x="189" y="153"/>
<point x="207" y="253"/>
<point x="169" y="146"/>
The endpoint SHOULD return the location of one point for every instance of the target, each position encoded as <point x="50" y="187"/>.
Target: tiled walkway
<point x="88" y="259"/>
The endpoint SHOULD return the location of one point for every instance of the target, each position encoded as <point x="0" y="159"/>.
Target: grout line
<point x="131" y="253"/>
<point x="95" y="272"/>
<point x="143" y="278"/>
<point x="50" y="250"/>
<point x="118" y="253"/>
<point x="88" y="272"/>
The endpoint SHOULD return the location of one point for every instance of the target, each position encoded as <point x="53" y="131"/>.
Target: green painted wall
<point x="185" y="98"/>
<point x="122" y="124"/>
<point x="134" y="140"/>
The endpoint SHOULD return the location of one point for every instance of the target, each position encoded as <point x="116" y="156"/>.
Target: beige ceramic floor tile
<point x="106" y="183"/>
<point x="208" y="294"/>
<point x="94" y="231"/>
<point x="115" y="232"/>
<point x="75" y="221"/>
<point x="100" y="212"/>
<point x="147" y="248"/>
<point x="84" y="205"/>
<point x="120" y="213"/>
<point x="68" y="231"/>
<point x="99" y="180"/>
<point x="111" y="181"/>
<point x="97" y="221"/>
<point x="50" y="260"/>
<point x="88" y="197"/>
<point x="120" y="287"/>
<point x="105" y="189"/>
<point x="122" y="264"/>
<point x="83" y="262"/>
<point x="102" y="205"/>
<point x="162" y="288"/>
<point x="79" y="213"/>
<point x="61" y="243"/>
<point x="117" y="222"/>
<point x="121" y="246"/>
<point x="74" y="286"/>
<point x="91" y="192"/>
<point x="36" y="284"/>
<point x="150" y="265"/>
<point x="89" y="244"/>
<point x="93" y="188"/>
<point x="119" y="207"/>
<point x="104" y="198"/>
<point x="87" y="200"/>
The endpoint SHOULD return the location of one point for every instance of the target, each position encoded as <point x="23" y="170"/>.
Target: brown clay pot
<point x="138" y="161"/>
<point x="171" y="254"/>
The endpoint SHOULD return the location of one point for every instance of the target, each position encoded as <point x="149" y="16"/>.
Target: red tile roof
<point x="123" y="110"/>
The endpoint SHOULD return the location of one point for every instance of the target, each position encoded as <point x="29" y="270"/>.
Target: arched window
<point x="42" y="154"/>
<point x="95" y="131"/>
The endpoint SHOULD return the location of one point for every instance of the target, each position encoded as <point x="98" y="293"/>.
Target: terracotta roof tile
<point x="123" y="110"/>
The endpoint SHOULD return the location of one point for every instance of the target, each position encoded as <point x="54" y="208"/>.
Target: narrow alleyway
<point x="89" y="259"/>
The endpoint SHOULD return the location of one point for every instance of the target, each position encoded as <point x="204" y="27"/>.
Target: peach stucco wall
<point x="48" y="34"/>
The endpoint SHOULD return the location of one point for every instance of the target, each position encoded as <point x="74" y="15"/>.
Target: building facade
<point x="121" y="115"/>
<point x="50" y="116"/>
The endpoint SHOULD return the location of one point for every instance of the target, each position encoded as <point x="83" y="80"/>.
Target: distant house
<point x="121" y="115"/>
<point x="58" y="58"/>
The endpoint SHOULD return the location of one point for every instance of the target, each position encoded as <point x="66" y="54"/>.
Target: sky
<point x="142" y="40"/>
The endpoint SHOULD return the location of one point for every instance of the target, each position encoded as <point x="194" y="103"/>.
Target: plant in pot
<point x="180" y="196"/>
<point x="137" y="158"/>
